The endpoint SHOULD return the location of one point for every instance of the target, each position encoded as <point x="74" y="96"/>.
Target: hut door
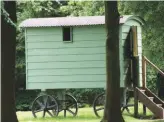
<point x="134" y="56"/>
<point x="130" y="51"/>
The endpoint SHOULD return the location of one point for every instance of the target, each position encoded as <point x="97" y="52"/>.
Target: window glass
<point x="67" y="34"/>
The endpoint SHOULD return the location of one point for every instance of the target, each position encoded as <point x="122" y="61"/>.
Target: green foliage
<point x="25" y="98"/>
<point x="20" y="60"/>
<point x="6" y="15"/>
<point x="35" y="9"/>
<point x="86" y="95"/>
<point x="84" y="8"/>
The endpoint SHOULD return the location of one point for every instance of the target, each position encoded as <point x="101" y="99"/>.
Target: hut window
<point x="67" y="31"/>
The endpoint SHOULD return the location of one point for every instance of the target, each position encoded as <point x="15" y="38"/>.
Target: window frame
<point x="71" y="34"/>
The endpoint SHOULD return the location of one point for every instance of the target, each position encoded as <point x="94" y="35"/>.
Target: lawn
<point x="84" y="115"/>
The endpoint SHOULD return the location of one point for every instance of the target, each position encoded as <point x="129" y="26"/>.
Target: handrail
<point x="154" y="66"/>
<point x="144" y="63"/>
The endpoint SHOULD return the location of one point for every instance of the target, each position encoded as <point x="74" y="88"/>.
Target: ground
<point x="84" y="115"/>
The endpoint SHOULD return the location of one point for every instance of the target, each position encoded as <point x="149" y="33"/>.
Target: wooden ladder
<point x="144" y="95"/>
<point x="151" y="101"/>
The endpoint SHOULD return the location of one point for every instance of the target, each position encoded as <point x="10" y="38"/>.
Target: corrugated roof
<point x="68" y="21"/>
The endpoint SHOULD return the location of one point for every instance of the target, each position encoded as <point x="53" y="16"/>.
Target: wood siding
<point x="51" y="63"/>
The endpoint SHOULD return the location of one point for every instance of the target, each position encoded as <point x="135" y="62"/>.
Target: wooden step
<point x="159" y="105"/>
<point x="157" y="100"/>
<point x="151" y="98"/>
<point x="151" y="101"/>
<point x="142" y="90"/>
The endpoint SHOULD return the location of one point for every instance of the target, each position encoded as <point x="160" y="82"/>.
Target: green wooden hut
<point x="69" y="52"/>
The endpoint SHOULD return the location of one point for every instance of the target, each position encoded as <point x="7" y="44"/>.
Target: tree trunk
<point x="112" y="111"/>
<point x="8" y="34"/>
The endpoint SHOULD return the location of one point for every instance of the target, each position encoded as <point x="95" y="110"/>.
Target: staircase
<point x="151" y="101"/>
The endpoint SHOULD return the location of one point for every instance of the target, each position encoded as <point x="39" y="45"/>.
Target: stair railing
<point x="146" y="61"/>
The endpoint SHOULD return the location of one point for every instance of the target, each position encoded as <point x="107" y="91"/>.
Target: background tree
<point x="8" y="33"/>
<point x="112" y="112"/>
<point x="84" y="8"/>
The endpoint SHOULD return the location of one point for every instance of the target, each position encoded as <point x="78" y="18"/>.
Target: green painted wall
<point x="54" y="64"/>
<point x="124" y="62"/>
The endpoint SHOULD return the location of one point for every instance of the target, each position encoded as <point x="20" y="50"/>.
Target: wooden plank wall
<point x="53" y="64"/>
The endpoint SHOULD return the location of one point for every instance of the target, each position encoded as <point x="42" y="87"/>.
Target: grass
<point x="84" y="115"/>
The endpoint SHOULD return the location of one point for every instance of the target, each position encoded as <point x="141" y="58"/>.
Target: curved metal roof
<point x="73" y="21"/>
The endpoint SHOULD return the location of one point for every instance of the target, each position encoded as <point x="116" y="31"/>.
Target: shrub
<point x="24" y="99"/>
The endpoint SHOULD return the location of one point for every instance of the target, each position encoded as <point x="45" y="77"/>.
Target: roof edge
<point x="137" y="18"/>
<point x="98" y="20"/>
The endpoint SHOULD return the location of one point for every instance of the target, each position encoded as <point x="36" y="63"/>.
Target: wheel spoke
<point x="71" y="111"/>
<point x="49" y="113"/>
<point x="54" y="112"/>
<point x="98" y="104"/>
<point x="41" y="105"/>
<point x="100" y="109"/>
<point x="52" y="106"/>
<point x="123" y="109"/>
<point x="60" y="110"/>
<point x="70" y="105"/>
<point x="44" y="112"/>
<point x="38" y="110"/>
<point x="46" y="101"/>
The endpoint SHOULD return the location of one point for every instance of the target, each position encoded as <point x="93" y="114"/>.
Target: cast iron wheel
<point x="69" y="105"/>
<point x="44" y="104"/>
<point x="129" y="94"/>
<point x="98" y="104"/>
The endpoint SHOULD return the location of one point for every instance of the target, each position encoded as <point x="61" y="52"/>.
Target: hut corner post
<point x="143" y="72"/>
<point x="144" y="79"/>
<point x="135" y="68"/>
<point x="136" y="81"/>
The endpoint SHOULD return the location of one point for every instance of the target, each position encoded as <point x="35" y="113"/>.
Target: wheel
<point x="44" y="104"/>
<point x="69" y="105"/>
<point x="98" y="105"/>
<point x="129" y="94"/>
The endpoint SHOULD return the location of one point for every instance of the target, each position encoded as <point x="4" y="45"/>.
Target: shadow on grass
<point x="140" y="116"/>
<point x="144" y="118"/>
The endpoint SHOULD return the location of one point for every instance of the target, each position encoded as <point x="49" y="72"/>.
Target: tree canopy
<point x="84" y="8"/>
